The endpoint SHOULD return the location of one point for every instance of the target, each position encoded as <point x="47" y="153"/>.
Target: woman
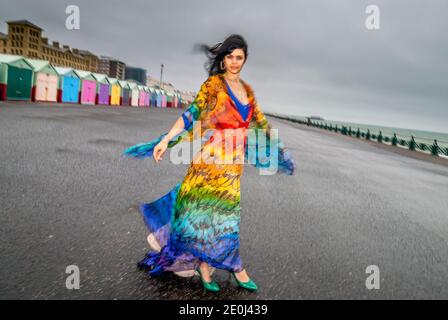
<point x="195" y="227"/>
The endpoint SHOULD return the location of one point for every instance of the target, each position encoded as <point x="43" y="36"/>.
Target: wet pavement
<point x="68" y="197"/>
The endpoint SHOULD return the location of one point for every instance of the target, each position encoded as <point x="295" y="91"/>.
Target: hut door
<point x="41" y="87"/>
<point x="52" y="87"/>
<point x="74" y="90"/>
<point x="19" y="84"/>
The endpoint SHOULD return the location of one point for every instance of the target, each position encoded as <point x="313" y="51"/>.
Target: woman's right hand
<point x="160" y="149"/>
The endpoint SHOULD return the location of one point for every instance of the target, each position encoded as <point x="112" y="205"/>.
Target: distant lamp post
<point x="161" y="75"/>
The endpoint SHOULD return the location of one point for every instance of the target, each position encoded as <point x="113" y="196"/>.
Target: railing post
<point x="394" y="139"/>
<point x="368" y="134"/>
<point x="412" y="143"/>
<point x="380" y="137"/>
<point x="435" y="148"/>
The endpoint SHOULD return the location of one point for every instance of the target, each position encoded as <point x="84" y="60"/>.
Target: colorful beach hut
<point x="163" y="98"/>
<point x="16" y="77"/>
<point x="179" y="101"/>
<point x="88" y="87"/>
<point x="147" y="96"/>
<point x="159" y="98"/>
<point x="175" y="101"/>
<point x="153" y="97"/>
<point x="141" y="96"/>
<point x="169" y="99"/>
<point x="45" y="81"/>
<point x="134" y="94"/>
<point x="103" y="88"/>
<point x="115" y="91"/>
<point x="69" y="84"/>
<point x="125" y="93"/>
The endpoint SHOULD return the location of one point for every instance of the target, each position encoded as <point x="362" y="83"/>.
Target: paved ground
<point x="68" y="197"/>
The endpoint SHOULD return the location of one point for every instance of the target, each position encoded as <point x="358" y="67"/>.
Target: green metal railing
<point x="411" y="144"/>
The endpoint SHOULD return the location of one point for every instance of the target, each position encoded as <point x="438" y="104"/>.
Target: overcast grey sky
<point x="310" y="57"/>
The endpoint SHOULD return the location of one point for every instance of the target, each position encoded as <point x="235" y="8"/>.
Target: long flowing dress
<point x="198" y="219"/>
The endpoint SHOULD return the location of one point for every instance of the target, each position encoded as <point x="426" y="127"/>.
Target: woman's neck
<point x="233" y="77"/>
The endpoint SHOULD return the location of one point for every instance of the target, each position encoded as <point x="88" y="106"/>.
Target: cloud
<point x="305" y="57"/>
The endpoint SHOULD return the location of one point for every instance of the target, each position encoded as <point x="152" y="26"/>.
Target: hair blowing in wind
<point x="216" y="53"/>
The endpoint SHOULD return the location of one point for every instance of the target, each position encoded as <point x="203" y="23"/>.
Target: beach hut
<point x="115" y="91"/>
<point x="175" y="100"/>
<point x="16" y="77"/>
<point x="45" y="81"/>
<point x="103" y="89"/>
<point x="163" y="98"/>
<point x="68" y="86"/>
<point x="148" y="96"/>
<point x="169" y="100"/>
<point x="88" y="87"/>
<point x="159" y="98"/>
<point x="134" y="94"/>
<point x="153" y="97"/>
<point x="141" y="96"/>
<point x="125" y="90"/>
<point x="179" y="101"/>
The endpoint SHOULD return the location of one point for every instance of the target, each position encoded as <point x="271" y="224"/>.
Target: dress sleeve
<point x="190" y="115"/>
<point x="186" y="117"/>
<point x="286" y="163"/>
<point x="193" y="112"/>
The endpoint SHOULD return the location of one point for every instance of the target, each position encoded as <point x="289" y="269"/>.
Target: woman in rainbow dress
<point x="194" y="228"/>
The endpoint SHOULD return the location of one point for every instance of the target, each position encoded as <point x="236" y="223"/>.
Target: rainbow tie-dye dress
<point x="198" y="220"/>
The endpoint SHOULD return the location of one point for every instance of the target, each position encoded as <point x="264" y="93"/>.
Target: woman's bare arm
<point x="177" y="128"/>
<point x="161" y="147"/>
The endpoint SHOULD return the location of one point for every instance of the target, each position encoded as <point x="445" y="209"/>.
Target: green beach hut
<point x="16" y="78"/>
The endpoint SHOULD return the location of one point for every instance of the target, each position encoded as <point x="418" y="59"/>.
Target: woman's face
<point x="234" y="61"/>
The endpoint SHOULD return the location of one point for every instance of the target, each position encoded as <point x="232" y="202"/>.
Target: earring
<point x="222" y="65"/>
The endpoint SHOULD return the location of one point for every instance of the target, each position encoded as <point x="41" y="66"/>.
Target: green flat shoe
<point x="249" y="285"/>
<point x="210" y="286"/>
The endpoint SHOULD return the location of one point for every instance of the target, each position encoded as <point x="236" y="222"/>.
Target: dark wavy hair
<point x="217" y="52"/>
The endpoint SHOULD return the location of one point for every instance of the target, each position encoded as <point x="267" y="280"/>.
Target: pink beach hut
<point x="88" y="87"/>
<point x="45" y="81"/>
<point x="147" y="96"/>
<point x="175" y="101"/>
<point x="141" y="96"/>
<point x="163" y="98"/>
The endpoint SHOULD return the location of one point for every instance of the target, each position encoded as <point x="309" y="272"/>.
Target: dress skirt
<point x="197" y="221"/>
